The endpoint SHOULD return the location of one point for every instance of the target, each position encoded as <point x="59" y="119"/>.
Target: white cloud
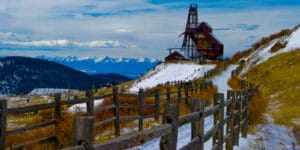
<point x="11" y="36"/>
<point x="101" y="44"/>
<point x="123" y="30"/>
<point x="153" y="32"/>
<point x="63" y="43"/>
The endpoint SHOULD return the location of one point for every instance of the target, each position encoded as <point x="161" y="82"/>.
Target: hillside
<point x="274" y="65"/>
<point x="169" y="72"/>
<point x="130" y="67"/>
<point x="20" y="75"/>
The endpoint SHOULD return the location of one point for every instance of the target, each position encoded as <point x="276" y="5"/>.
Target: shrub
<point x="278" y="45"/>
<point x="256" y="109"/>
<point x="263" y="41"/>
<point x="234" y="84"/>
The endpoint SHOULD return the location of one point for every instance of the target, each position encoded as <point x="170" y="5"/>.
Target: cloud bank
<point x="65" y="43"/>
<point x="135" y="28"/>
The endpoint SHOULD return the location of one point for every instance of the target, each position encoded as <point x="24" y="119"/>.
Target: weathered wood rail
<point x="159" y="100"/>
<point x="235" y="120"/>
<point x="235" y="117"/>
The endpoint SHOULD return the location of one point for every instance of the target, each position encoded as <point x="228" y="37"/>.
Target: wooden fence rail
<point x="235" y="111"/>
<point x="235" y="120"/>
<point x="89" y="100"/>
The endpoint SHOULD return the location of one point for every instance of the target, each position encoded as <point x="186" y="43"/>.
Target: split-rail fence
<point x="236" y="118"/>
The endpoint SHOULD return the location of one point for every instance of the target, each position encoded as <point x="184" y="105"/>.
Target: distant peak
<point x="99" y="59"/>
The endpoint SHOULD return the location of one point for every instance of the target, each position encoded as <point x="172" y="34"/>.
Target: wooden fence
<point x="84" y="136"/>
<point x="236" y="120"/>
<point x="182" y="92"/>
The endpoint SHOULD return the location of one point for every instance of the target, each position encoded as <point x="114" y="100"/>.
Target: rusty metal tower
<point x="189" y="47"/>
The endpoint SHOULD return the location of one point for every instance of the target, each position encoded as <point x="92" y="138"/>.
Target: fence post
<point x="3" y="107"/>
<point x="229" y="127"/>
<point x="198" y="126"/>
<point x="195" y="106"/>
<point x="186" y="94"/>
<point x="245" y="114"/>
<point x="169" y="141"/>
<point x="239" y="104"/>
<point x="57" y="98"/>
<point x="90" y="103"/>
<point x="141" y="110"/>
<point x="179" y="95"/>
<point x="237" y="118"/>
<point x="84" y="132"/>
<point x="116" y="111"/>
<point x="196" y="87"/>
<point x="234" y="108"/>
<point x="157" y="95"/>
<point x="168" y="95"/>
<point x="201" y="86"/>
<point x="216" y="118"/>
<point x="219" y="118"/>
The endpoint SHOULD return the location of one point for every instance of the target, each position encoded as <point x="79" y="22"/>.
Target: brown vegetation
<point x="256" y="109"/>
<point x="234" y="84"/>
<point x="257" y="105"/>
<point x="278" y="45"/>
<point x="263" y="41"/>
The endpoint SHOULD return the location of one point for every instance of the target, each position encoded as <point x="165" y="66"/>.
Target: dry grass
<point x="63" y="130"/>
<point x="234" y="84"/>
<point x="296" y="131"/>
<point x="256" y="109"/>
<point x="107" y="132"/>
<point x="28" y="136"/>
<point x="263" y="41"/>
<point x="279" y="79"/>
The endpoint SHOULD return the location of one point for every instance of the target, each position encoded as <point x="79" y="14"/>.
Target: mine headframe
<point x="189" y="46"/>
<point x="199" y="43"/>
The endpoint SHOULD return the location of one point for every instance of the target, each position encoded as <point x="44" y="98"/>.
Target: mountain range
<point x="130" y="67"/>
<point x="20" y="75"/>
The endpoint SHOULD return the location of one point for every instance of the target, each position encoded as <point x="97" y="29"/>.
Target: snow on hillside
<point x="184" y="132"/>
<point x="269" y="136"/>
<point x="167" y="72"/>
<point x="82" y="107"/>
<point x="264" y="53"/>
<point x="43" y="91"/>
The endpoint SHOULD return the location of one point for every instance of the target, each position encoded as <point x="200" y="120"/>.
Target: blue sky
<point x="134" y="28"/>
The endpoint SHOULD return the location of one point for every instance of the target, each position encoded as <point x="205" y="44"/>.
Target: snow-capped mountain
<point x="131" y="67"/>
<point x="20" y="75"/>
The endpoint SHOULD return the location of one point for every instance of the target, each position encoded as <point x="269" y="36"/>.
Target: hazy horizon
<point x="136" y="28"/>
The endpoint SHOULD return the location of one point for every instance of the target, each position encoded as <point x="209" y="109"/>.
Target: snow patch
<point x="43" y="91"/>
<point x="269" y="136"/>
<point x="184" y="132"/>
<point x="262" y="54"/>
<point x="221" y="81"/>
<point x="82" y="107"/>
<point x="167" y="72"/>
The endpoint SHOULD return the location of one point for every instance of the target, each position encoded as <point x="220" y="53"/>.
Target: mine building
<point x="199" y="42"/>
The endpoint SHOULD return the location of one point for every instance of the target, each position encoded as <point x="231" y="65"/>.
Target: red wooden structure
<point x="199" y="40"/>
<point x="176" y="56"/>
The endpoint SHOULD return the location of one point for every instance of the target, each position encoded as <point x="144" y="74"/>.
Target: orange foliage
<point x="256" y="109"/>
<point x="263" y="41"/>
<point x="234" y="84"/>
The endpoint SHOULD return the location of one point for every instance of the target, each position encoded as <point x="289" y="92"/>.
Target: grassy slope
<point x="280" y="82"/>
